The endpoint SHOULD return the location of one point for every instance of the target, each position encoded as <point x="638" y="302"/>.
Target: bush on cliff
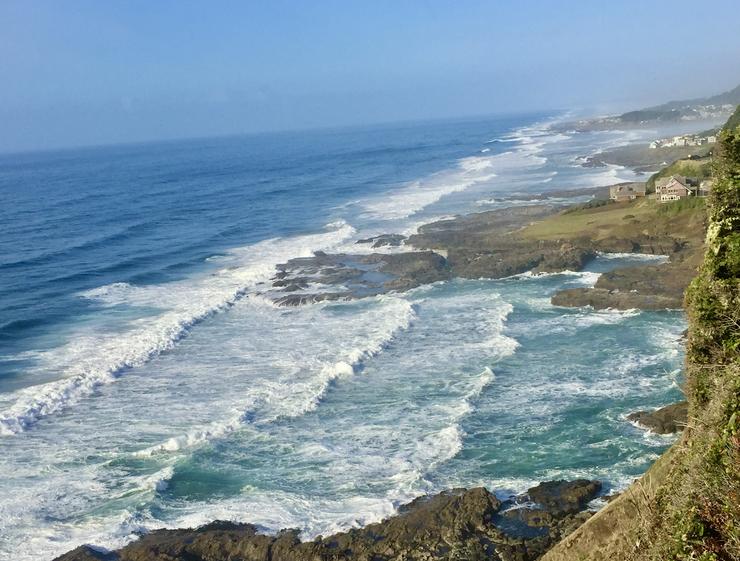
<point x="697" y="511"/>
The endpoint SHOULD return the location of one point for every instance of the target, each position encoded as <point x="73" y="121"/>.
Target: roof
<point x="627" y="188"/>
<point x="663" y="181"/>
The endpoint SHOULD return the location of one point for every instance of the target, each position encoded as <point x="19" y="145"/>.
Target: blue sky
<point x="95" y="72"/>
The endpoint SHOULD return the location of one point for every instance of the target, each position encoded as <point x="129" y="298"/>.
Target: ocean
<point x="146" y="382"/>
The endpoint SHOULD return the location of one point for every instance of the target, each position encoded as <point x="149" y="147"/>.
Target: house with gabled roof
<point x="672" y="188"/>
<point x="626" y="191"/>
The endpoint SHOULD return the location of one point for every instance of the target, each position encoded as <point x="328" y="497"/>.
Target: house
<point x="711" y="139"/>
<point x="626" y="191"/>
<point x="705" y="187"/>
<point x="672" y="188"/>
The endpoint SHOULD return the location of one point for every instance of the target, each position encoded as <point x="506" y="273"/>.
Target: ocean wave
<point x="415" y="196"/>
<point x="95" y="358"/>
<point x="584" y="277"/>
<point x="529" y="143"/>
<point x="275" y="510"/>
<point x="610" y="174"/>
<point x="296" y="398"/>
<point x="421" y="193"/>
<point x="636" y="257"/>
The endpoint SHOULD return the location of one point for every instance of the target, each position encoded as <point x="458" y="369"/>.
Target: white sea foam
<point x="422" y="193"/>
<point x="293" y="398"/>
<point x="583" y="278"/>
<point x="636" y="257"/>
<point x="485" y="202"/>
<point x="412" y="198"/>
<point x="98" y="357"/>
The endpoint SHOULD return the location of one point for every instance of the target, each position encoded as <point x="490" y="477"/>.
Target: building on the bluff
<point x="626" y="191"/>
<point x="672" y="188"/>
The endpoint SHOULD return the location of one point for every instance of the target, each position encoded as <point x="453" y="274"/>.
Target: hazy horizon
<point x="88" y="74"/>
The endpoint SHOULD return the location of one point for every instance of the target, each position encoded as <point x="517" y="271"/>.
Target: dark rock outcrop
<point x="647" y="287"/>
<point x="384" y="240"/>
<point x="564" y="497"/>
<point x="453" y="525"/>
<point x="323" y="276"/>
<point x="666" y="420"/>
<point x="601" y="299"/>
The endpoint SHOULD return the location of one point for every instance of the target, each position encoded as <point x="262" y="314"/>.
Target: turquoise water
<point x="146" y="382"/>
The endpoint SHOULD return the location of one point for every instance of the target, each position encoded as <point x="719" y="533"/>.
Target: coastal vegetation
<point x="682" y="219"/>
<point x="688" y="204"/>
<point x="642" y="158"/>
<point x="687" y="506"/>
<point x="734" y="121"/>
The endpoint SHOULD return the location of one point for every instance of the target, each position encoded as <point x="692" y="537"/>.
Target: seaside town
<point x="684" y="140"/>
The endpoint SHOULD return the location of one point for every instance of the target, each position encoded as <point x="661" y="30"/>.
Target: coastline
<point x="500" y="251"/>
<point x="492" y="244"/>
<point x="459" y="523"/>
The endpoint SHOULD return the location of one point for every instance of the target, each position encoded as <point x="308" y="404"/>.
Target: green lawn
<point x="682" y="218"/>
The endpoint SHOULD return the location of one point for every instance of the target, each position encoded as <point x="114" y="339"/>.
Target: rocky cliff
<point x="687" y="506"/>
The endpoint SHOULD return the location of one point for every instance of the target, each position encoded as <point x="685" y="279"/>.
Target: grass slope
<point x="682" y="219"/>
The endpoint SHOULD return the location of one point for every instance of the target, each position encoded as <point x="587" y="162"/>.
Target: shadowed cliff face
<point x="457" y="524"/>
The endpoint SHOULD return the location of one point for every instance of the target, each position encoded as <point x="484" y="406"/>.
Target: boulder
<point x="666" y="420"/>
<point x="565" y="497"/>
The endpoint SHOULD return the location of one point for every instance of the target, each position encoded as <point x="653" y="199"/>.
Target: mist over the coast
<point x="390" y="281"/>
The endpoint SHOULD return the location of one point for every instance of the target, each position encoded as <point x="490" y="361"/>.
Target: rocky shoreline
<point x="460" y="523"/>
<point x="452" y="525"/>
<point x="506" y="242"/>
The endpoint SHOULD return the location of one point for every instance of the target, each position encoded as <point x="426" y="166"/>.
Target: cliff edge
<point x="687" y="506"/>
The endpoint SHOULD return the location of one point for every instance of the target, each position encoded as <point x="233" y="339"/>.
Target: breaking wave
<point x="93" y="358"/>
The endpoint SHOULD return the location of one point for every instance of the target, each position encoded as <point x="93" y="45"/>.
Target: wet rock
<point x="565" y="258"/>
<point x="491" y="264"/>
<point x="301" y="299"/>
<point x="384" y="240"/>
<point x="666" y="420"/>
<point x="414" y="269"/>
<point x="601" y="299"/>
<point x="453" y="525"/>
<point x="86" y="553"/>
<point x="347" y="276"/>
<point x="565" y="497"/>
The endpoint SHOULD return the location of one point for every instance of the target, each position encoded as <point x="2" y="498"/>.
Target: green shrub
<point x="696" y="511"/>
<point x="676" y="207"/>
